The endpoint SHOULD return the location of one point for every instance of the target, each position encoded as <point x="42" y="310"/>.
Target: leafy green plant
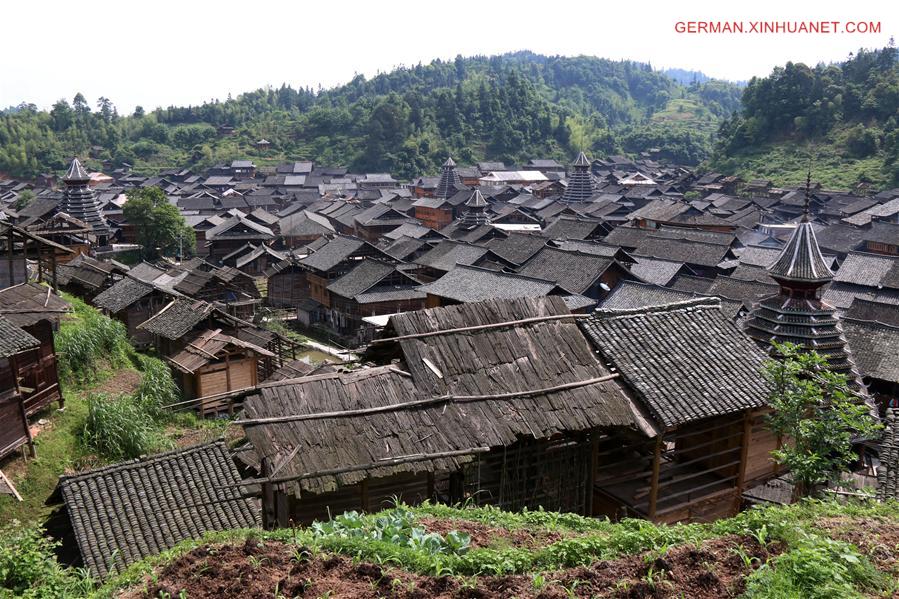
<point x="28" y="566"/>
<point x="816" y="410"/>
<point x="86" y="341"/>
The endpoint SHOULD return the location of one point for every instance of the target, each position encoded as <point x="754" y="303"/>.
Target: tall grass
<point x="86" y="342"/>
<point x="120" y="428"/>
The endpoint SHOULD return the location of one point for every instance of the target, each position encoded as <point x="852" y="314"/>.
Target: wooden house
<point x="698" y="380"/>
<point x="36" y="310"/>
<point x="236" y="289"/>
<point x="286" y="285"/>
<point x="14" y="431"/>
<point x="333" y="260"/>
<point x="506" y="411"/>
<point x="200" y="484"/>
<point x="132" y="301"/>
<point x="21" y="246"/>
<point x="372" y="288"/>
<point x="234" y="233"/>
<point x="303" y="227"/>
<point x="211" y="363"/>
<point x="253" y="260"/>
<point x="577" y="272"/>
<point x="86" y="277"/>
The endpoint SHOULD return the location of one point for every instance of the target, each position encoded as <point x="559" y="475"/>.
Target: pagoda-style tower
<point x="80" y="202"/>
<point x="797" y="314"/>
<point x="475" y="213"/>
<point x="450" y="182"/>
<point x="580" y="182"/>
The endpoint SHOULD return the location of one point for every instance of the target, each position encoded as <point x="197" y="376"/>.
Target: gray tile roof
<point x="14" y="340"/>
<point x="28" y="303"/>
<point x="875" y="348"/>
<point x="128" y="511"/>
<point x="364" y="276"/>
<point x="177" y="318"/>
<point x="333" y="253"/>
<point x="888" y="472"/>
<point x="447" y="254"/>
<point x="801" y="258"/>
<point x="573" y="271"/>
<point x="869" y="270"/>
<point x="472" y="284"/>
<point x="686" y="360"/>
<point x="122" y="294"/>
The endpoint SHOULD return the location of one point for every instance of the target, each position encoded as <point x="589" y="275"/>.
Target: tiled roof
<point x="869" y="270"/>
<point x="364" y="276"/>
<point x="573" y="271"/>
<point x="333" y="253"/>
<point x="122" y="294"/>
<point x="447" y="254"/>
<point x="875" y="348"/>
<point x="177" y="318"/>
<point x="14" y="340"/>
<point x="471" y="284"/>
<point x="654" y="270"/>
<point x="128" y="511"/>
<point x="888" y="472"/>
<point x="686" y="360"/>
<point x="801" y="259"/>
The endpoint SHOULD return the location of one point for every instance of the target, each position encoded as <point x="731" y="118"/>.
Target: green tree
<point x="24" y="198"/>
<point x="814" y="409"/>
<point x="161" y="229"/>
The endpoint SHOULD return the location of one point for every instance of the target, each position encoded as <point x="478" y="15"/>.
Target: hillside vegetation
<point x="510" y="107"/>
<point x="811" y="550"/>
<point x="839" y="119"/>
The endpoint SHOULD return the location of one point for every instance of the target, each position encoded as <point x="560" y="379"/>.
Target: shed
<point x="125" y="512"/>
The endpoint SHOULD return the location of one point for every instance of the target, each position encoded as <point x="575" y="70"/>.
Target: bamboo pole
<point x="421" y="402"/>
<point x="482" y="327"/>
<point x="343" y="470"/>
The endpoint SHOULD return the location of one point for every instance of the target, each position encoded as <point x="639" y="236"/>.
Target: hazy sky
<point x="162" y="52"/>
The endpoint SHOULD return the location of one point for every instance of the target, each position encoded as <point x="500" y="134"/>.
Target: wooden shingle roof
<point x="686" y="360"/>
<point x="128" y="511"/>
<point x="28" y="303"/>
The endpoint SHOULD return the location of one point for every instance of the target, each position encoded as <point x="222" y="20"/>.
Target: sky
<point x="165" y="52"/>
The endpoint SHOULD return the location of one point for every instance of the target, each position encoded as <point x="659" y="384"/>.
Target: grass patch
<point x="787" y="163"/>
<point x="97" y="427"/>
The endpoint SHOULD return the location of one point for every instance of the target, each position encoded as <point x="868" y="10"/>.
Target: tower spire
<point x="580" y="183"/>
<point x="450" y="182"/>
<point x="808" y="193"/>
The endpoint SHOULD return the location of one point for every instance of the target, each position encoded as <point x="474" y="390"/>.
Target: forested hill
<point x="839" y="119"/>
<point x="510" y="107"/>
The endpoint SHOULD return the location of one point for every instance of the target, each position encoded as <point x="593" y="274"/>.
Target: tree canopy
<point x="160" y="227"/>
<point x="816" y="413"/>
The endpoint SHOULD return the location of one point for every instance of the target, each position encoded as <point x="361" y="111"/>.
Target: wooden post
<point x="591" y="475"/>
<point x="654" y="485"/>
<point x="431" y="489"/>
<point x="268" y="496"/>
<point x="363" y="495"/>
<point x="282" y="508"/>
<point x="9" y="258"/>
<point x="53" y="267"/>
<point x="744" y="454"/>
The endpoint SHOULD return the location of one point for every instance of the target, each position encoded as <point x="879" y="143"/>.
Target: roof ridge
<point x="698" y="302"/>
<point x="144" y="459"/>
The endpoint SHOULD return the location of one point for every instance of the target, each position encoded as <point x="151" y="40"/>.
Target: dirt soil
<point x="123" y="382"/>
<point x="484" y="535"/>
<point x="877" y="539"/>
<point x="713" y="570"/>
